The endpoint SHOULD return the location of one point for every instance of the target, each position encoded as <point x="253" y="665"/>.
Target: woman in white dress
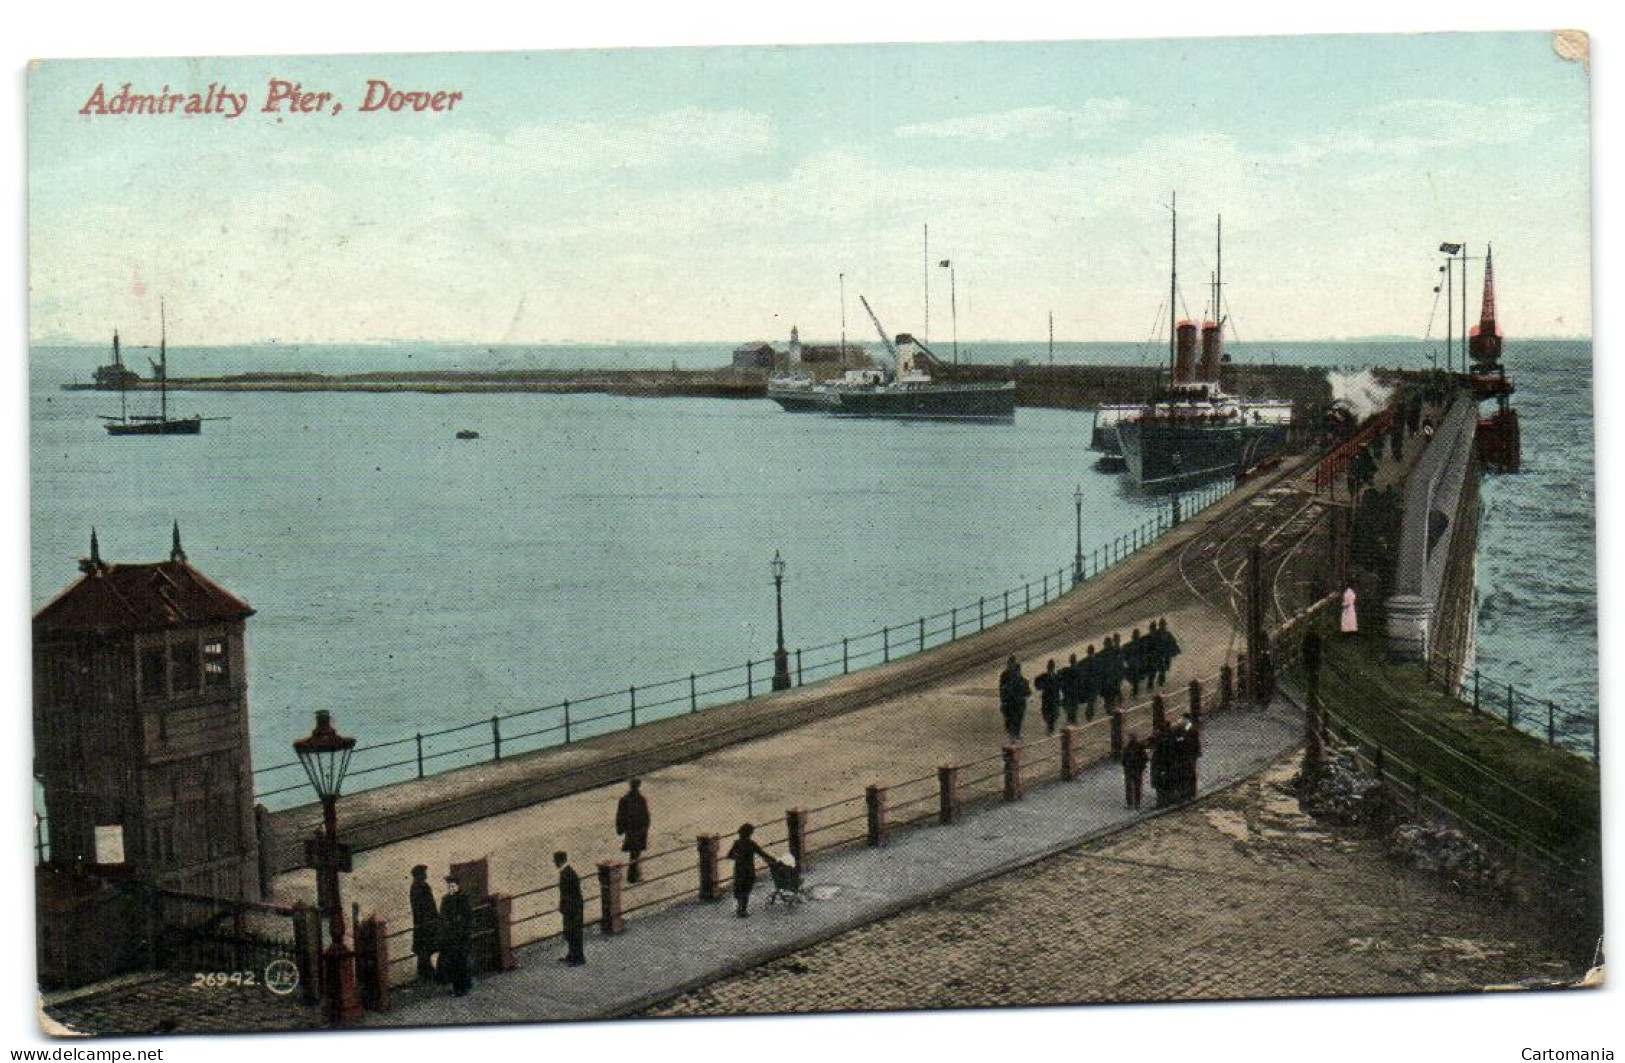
<point x="1351" y="619"/>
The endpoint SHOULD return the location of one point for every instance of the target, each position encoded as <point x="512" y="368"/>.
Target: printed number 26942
<point x="223" y="979"/>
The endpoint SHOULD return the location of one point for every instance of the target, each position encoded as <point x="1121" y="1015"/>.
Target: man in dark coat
<point x="1110" y="674"/>
<point x="1048" y="685"/>
<point x="1167" y="650"/>
<point x="1163" y="772"/>
<point x="1013" y="692"/>
<point x="1134" y="662"/>
<point x="456" y="931"/>
<point x="1089" y="681"/>
<point x="1187" y="751"/>
<point x="425" y="923"/>
<point x="572" y="911"/>
<point x="743" y="854"/>
<point x="1134" y="761"/>
<point x="1071" y="689"/>
<point x="632" y="824"/>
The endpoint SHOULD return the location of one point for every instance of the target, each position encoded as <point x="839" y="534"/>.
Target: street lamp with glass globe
<point x="325" y="756"/>
<point x="781" y="656"/>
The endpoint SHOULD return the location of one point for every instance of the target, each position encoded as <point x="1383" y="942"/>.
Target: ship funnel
<point x="1185" y="366"/>
<point x="1212" y="350"/>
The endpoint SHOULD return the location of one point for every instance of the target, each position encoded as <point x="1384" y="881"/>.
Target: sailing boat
<point x="128" y="424"/>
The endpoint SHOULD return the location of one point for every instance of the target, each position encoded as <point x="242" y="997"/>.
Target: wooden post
<point x="947" y="793"/>
<point x="610" y="876"/>
<point x="1012" y="773"/>
<point x="372" y="963"/>
<point x="874" y="797"/>
<point x="710" y="879"/>
<point x="502" y="919"/>
<point x="795" y="827"/>
<point x="1069" y="752"/>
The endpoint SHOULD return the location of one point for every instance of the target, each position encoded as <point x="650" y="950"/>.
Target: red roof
<point x="134" y="597"/>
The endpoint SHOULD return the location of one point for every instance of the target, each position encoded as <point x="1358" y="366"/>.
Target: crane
<point x="885" y="341"/>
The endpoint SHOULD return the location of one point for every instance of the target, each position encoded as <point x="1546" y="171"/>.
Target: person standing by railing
<point x="1167" y="650"/>
<point x="425" y="923"/>
<point x="1111" y="674"/>
<point x="456" y="931"/>
<point x="1013" y="693"/>
<point x="1071" y="689"/>
<point x="1134" y="761"/>
<point x="1089" y="681"/>
<point x="744" y="853"/>
<point x="572" y="911"/>
<point x="632" y="824"/>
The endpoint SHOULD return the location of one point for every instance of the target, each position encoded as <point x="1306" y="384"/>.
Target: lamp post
<point x="1178" y="460"/>
<point x="781" y="656"/>
<point x="1077" y="557"/>
<point x="325" y="755"/>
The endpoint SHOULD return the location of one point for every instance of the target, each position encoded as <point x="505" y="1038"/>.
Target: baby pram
<point x="786" y="881"/>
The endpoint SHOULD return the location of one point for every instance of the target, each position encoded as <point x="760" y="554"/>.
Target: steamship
<point x="1192" y="430"/>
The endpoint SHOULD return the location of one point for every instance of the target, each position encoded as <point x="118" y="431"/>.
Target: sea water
<point x="409" y="581"/>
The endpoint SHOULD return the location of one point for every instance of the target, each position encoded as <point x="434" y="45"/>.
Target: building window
<point x="153" y="671"/>
<point x="183" y="666"/>
<point x="110" y="844"/>
<point x="214" y="663"/>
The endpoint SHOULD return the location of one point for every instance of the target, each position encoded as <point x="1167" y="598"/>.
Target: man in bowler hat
<point x="456" y="932"/>
<point x="632" y="824"/>
<point x="571" y="911"/>
<point x="425" y="923"/>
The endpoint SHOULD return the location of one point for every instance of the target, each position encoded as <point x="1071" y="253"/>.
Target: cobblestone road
<point x="1240" y="896"/>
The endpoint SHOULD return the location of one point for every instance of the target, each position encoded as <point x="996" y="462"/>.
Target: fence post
<point x="566" y="721"/>
<point x="502" y="921"/>
<point x="799" y="680"/>
<point x="1227" y="686"/>
<point x="981" y="614"/>
<point x="874" y="799"/>
<point x="922" y="634"/>
<point x="947" y="793"/>
<point x="372" y="963"/>
<point x="1007" y="604"/>
<point x="693" y="694"/>
<point x="795" y="829"/>
<point x="1069" y="752"/>
<point x="610" y="919"/>
<point x="1117" y="734"/>
<point x="885" y="644"/>
<point x="845" y="665"/>
<point x="710" y="880"/>
<point x="496" y="738"/>
<point x="1012" y="773"/>
<point x="1028" y="587"/>
<point x="1512" y="707"/>
<point x="1551" y="723"/>
<point x="632" y="693"/>
<point x="419" y="737"/>
<point x="953" y="624"/>
<point x="748" y="686"/>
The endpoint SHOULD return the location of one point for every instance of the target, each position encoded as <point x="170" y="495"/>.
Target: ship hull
<point x="931" y="403"/>
<point x="1164" y="455"/>
<point x="186" y="426"/>
<point x="805" y="401"/>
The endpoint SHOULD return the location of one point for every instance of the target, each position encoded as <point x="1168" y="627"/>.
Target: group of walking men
<point x="1172" y="756"/>
<point x="1098" y="678"/>
<point x="448" y="929"/>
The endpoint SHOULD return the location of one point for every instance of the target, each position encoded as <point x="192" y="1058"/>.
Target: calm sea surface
<point x="408" y="581"/>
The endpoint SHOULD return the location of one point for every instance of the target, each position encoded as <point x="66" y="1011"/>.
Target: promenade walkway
<point x="693" y="943"/>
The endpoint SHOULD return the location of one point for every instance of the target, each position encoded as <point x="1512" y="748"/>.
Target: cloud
<point x="655" y="140"/>
<point x="1026" y="123"/>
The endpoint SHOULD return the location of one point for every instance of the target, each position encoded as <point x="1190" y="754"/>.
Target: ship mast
<point x="118" y="367"/>
<point x="163" y="364"/>
<point x="1173" y="290"/>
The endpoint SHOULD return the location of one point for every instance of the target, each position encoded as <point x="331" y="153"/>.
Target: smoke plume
<point x="1360" y="391"/>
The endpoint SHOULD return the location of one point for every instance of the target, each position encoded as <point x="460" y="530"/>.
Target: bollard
<point x="874" y="797"/>
<point x="1226" y="686"/>
<point x="798" y="667"/>
<point x="1069" y="752"/>
<point x="502" y="920"/>
<point x="1117" y="734"/>
<point x="372" y="963"/>
<point x="1012" y="773"/>
<point x="1159" y="714"/>
<point x="947" y="794"/>
<point x="710" y="879"/>
<point x="1196" y="703"/>
<point x="610" y="875"/>
<point x="795" y="827"/>
<point x="922" y="634"/>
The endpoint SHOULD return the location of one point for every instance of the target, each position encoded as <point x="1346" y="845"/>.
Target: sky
<point x="719" y="193"/>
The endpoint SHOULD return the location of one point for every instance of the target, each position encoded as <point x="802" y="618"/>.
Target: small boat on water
<point x="468" y="433"/>
<point x="130" y="424"/>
